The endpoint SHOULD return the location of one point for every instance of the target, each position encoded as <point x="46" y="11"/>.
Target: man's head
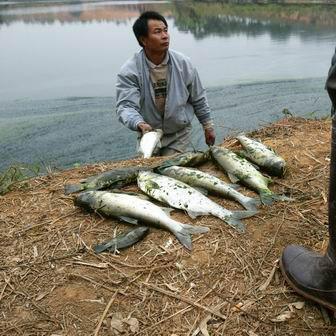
<point x="151" y="31"/>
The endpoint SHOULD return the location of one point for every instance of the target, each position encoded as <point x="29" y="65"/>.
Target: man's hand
<point x="210" y="136"/>
<point x="144" y="127"/>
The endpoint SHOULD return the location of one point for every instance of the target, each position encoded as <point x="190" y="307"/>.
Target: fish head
<point x="277" y="167"/>
<point x="216" y="150"/>
<point x="85" y="199"/>
<point x="144" y="175"/>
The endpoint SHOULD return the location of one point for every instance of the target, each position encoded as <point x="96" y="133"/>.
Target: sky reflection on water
<point x="55" y="51"/>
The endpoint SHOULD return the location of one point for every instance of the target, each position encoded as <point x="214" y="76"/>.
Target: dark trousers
<point x="331" y="84"/>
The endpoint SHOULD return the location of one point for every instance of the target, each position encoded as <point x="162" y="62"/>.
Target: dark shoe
<point x="310" y="274"/>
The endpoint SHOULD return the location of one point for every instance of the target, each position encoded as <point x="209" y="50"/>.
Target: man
<point x="311" y="274"/>
<point x="331" y="83"/>
<point x="160" y="89"/>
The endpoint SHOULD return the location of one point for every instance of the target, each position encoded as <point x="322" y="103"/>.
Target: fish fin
<point x="202" y="190"/>
<point x="194" y="214"/>
<point x="131" y="193"/>
<point x="234" y="186"/>
<point x="255" y="166"/>
<point x="242" y="153"/>
<point x="167" y="210"/>
<point x="267" y="198"/>
<point x="237" y="224"/>
<point x="184" y="235"/>
<point x="234" y="220"/>
<point x="243" y="214"/>
<point x="72" y="188"/>
<point x="130" y="220"/>
<point x="250" y="203"/>
<point x="233" y="178"/>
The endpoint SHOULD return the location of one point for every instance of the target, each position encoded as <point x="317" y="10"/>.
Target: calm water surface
<point x="58" y="65"/>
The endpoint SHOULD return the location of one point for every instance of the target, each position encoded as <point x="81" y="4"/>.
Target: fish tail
<point x="234" y="219"/>
<point x="250" y="203"/>
<point x="72" y="188"/>
<point x="236" y="224"/>
<point x="268" y="198"/>
<point x="110" y="245"/>
<point x="184" y="235"/>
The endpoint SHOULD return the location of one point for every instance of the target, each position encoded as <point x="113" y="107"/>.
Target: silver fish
<point x="264" y="157"/>
<point x="149" y="142"/>
<point x="133" y="209"/>
<point x="189" y="159"/>
<point x="197" y="178"/>
<point x="123" y="240"/>
<point x="181" y="196"/>
<point x="239" y="169"/>
<point x="115" y="178"/>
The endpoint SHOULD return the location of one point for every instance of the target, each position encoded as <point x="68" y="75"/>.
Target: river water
<point x="58" y="66"/>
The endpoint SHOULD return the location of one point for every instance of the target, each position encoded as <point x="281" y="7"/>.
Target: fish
<point x="149" y="142"/>
<point x="239" y="169"/>
<point x="181" y="196"/>
<point x="115" y="178"/>
<point x="133" y="209"/>
<point x="263" y="156"/>
<point x="199" y="179"/>
<point x="187" y="159"/>
<point x="123" y="240"/>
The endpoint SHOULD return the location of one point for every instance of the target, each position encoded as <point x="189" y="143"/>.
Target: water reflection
<point x="279" y="21"/>
<point x="116" y="11"/>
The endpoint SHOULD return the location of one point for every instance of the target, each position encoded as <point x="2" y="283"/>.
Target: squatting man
<point x="159" y="88"/>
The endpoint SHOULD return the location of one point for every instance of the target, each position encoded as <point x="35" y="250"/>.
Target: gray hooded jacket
<point x="186" y="96"/>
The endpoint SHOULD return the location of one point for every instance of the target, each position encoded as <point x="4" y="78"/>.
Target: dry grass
<point x="51" y="283"/>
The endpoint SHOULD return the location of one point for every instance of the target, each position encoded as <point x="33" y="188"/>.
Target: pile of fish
<point x="174" y="183"/>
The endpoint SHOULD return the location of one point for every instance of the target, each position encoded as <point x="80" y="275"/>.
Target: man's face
<point x="158" y="37"/>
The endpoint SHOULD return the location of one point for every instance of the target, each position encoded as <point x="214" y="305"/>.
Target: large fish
<point x="123" y="240"/>
<point x="181" y="196"/>
<point x="149" y="142"/>
<point x="133" y="209"/>
<point x="197" y="178"/>
<point x="264" y="157"/>
<point x="116" y="178"/>
<point x="239" y="169"/>
<point x="189" y="159"/>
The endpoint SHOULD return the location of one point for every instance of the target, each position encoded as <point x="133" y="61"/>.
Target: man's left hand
<point x="210" y="136"/>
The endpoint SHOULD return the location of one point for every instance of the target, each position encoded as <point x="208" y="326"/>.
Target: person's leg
<point x="178" y="142"/>
<point x="309" y="273"/>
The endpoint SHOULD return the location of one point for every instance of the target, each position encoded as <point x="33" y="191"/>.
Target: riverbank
<point x="66" y="132"/>
<point x="53" y="283"/>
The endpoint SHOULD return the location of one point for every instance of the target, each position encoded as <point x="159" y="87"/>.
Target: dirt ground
<point x="52" y="283"/>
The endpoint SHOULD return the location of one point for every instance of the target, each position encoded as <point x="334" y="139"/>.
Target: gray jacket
<point x="185" y="95"/>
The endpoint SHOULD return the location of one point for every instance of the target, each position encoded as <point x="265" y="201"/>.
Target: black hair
<point x="140" y="26"/>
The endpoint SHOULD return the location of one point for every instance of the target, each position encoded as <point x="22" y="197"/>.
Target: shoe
<point x="310" y="274"/>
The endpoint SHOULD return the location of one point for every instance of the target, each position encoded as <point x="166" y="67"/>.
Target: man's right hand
<point x="144" y="127"/>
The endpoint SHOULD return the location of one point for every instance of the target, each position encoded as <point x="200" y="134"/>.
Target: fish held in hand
<point x="181" y="196"/>
<point x="197" y="178"/>
<point x="123" y="240"/>
<point x="261" y="155"/>
<point x="134" y="210"/>
<point x="239" y="169"/>
<point x="149" y="142"/>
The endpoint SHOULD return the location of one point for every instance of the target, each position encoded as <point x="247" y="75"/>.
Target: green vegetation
<point x="225" y="18"/>
<point x="15" y="174"/>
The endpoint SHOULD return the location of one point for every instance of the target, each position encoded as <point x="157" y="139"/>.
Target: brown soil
<point x="52" y="283"/>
